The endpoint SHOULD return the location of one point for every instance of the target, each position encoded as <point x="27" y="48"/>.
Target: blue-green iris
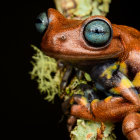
<point x="41" y="22"/>
<point x="98" y="33"/>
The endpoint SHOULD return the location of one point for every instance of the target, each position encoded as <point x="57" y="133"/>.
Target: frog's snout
<point x="60" y="33"/>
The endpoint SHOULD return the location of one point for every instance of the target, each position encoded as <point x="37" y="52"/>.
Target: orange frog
<point x="110" y="54"/>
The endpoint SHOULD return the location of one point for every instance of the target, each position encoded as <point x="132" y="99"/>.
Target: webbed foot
<point x="78" y="106"/>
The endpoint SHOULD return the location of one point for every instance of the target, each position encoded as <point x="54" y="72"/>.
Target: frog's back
<point x="130" y="31"/>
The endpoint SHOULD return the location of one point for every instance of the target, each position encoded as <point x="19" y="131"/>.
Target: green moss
<point x="82" y="9"/>
<point x="87" y="76"/>
<point x="46" y="74"/>
<point x="87" y="130"/>
<point x="100" y="7"/>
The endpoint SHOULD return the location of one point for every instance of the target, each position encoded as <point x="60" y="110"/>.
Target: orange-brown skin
<point x="64" y="40"/>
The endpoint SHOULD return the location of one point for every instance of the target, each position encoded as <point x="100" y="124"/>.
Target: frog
<point x="110" y="54"/>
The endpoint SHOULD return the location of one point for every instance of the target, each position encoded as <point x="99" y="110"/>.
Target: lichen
<point x="82" y="9"/>
<point x="46" y="74"/>
<point x="72" y="87"/>
<point x="87" y="130"/>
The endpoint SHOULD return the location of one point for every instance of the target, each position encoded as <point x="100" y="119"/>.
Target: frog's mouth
<point x="82" y="62"/>
<point x="81" y="58"/>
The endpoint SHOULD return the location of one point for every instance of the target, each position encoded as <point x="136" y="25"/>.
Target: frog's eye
<point x="98" y="33"/>
<point x="41" y="22"/>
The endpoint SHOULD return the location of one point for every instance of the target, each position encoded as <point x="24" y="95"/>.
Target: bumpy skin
<point x="115" y="69"/>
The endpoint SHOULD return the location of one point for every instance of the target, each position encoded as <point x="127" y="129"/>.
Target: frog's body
<point x="113" y="66"/>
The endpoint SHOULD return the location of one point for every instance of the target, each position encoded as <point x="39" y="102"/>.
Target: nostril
<point x="63" y="37"/>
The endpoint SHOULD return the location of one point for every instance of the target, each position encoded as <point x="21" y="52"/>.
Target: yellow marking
<point x="83" y="101"/>
<point x="71" y="101"/>
<point x="126" y="83"/>
<point x="94" y="101"/>
<point x="123" y="68"/>
<point x="99" y="132"/>
<point x="107" y="99"/>
<point x="115" y="90"/>
<point x="89" y="136"/>
<point x="108" y="72"/>
<point x="136" y="81"/>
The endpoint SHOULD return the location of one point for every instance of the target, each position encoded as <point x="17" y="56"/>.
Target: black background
<point x="24" y="112"/>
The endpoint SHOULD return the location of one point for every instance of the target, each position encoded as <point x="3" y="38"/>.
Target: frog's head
<point x="78" y="40"/>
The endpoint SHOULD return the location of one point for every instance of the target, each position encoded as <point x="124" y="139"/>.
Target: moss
<point x="46" y="74"/>
<point x="87" y="130"/>
<point x="82" y="9"/>
<point x="87" y="76"/>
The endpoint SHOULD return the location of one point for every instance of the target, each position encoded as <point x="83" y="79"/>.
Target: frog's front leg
<point x="112" y="109"/>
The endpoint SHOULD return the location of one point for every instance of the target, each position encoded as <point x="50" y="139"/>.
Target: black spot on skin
<point x="89" y="92"/>
<point x="131" y="72"/>
<point x="113" y="82"/>
<point x="100" y="68"/>
<point x="138" y="89"/>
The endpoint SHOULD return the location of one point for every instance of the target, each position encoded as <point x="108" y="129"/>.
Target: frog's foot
<point x="131" y="126"/>
<point x="78" y="106"/>
<point x="112" y="108"/>
<point x="71" y="122"/>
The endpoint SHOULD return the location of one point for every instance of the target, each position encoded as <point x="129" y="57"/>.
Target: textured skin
<point x="131" y="126"/>
<point x="115" y="69"/>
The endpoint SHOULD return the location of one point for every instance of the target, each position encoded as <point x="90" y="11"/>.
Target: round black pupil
<point x="97" y="31"/>
<point x="38" y="21"/>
